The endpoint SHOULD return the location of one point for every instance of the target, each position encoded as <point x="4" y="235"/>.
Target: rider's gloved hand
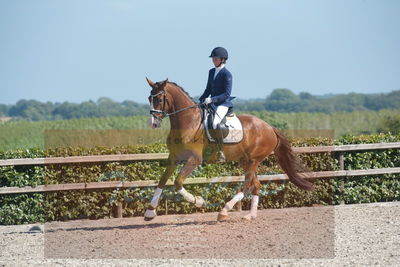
<point x="207" y="101"/>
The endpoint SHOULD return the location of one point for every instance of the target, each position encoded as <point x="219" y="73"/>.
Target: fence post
<point x="341" y="184"/>
<point x="118" y="210"/>
<point x="341" y="160"/>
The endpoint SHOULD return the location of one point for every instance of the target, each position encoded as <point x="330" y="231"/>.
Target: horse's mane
<point x="183" y="90"/>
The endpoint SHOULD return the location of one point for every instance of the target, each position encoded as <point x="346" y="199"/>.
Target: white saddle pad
<point x="235" y="129"/>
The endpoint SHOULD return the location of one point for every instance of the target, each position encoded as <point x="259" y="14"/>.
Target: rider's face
<point x="217" y="61"/>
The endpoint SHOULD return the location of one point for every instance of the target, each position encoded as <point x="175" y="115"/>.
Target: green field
<point x="26" y="134"/>
<point x="342" y="123"/>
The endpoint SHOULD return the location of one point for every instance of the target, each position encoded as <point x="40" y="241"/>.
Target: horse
<point x="187" y="142"/>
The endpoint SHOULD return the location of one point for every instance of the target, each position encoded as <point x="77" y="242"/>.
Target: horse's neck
<point x="187" y="119"/>
<point x="180" y="99"/>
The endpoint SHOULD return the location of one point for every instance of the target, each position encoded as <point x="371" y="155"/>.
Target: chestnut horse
<point x="187" y="142"/>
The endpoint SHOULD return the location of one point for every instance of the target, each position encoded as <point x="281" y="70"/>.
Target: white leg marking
<point x="231" y="203"/>
<point x="200" y="202"/>
<point x="151" y="213"/>
<point x="253" y="209"/>
<point x="156" y="197"/>
<point x="189" y="197"/>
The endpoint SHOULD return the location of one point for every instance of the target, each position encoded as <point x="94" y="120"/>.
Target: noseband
<point x="154" y="111"/>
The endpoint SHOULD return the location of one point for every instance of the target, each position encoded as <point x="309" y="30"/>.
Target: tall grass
<point x="26" y="134"/>
<point x="342" y="123"/>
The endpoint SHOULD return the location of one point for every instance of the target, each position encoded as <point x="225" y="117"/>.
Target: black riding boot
<point x="220" y="142"/>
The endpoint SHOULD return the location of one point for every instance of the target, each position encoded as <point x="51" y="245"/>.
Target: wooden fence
<point x="337" y="150"/>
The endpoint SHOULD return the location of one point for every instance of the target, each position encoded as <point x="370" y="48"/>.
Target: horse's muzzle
<point x="154" y="122"/>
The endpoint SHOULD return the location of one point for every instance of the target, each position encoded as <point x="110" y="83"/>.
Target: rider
<point x="218" y="93"/>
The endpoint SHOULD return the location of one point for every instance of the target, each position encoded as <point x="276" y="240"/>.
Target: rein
<point x="182" y="109"/>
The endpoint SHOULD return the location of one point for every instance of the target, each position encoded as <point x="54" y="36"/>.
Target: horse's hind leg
<point x="250" y="184"/>
<point x="223" y="214"/>
<point x="255" y="189"/>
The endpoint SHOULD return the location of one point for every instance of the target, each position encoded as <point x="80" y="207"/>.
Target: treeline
<point x="284" y="100"/>
<point x="280" y="100"/>
<point x="104" y="107"/>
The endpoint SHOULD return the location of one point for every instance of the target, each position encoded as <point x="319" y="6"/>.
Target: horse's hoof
<point x="222" y="217"/>
<point x="248" y="217"/>
<point x="150" y="214"/>
<point x="199" y="202"/>
<point x="148" y="218"/>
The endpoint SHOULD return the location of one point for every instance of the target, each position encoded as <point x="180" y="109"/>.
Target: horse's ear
<point x="164" y="83"/>
<point x="150" y="82"/>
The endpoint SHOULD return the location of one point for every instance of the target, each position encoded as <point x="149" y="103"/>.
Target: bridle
<point x="163" y="112"/>
<point x="154" y="111"/>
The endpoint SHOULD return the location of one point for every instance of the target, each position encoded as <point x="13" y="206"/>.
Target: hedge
<point x="78" y="204"/>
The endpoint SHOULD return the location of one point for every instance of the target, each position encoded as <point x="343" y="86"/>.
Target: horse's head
<point x="159" y="103"/>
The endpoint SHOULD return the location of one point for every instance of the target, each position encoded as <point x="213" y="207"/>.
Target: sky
<point x="79" y="50"/>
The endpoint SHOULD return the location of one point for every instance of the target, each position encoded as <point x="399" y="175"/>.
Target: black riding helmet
<point x="219" y="52"/>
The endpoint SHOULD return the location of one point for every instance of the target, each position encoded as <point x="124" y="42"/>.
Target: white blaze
<point x="151" y="122"/>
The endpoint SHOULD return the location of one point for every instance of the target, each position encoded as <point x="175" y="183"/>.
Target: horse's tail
<point x="289" y="162"/>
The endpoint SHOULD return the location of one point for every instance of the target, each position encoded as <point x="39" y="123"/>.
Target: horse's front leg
<point x="151" y="210"/>
<point x="190" y="164"/>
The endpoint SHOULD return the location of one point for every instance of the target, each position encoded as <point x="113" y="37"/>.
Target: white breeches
<point x="219" y="115"/>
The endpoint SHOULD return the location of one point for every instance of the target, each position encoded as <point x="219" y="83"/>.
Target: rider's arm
<point x="207" y="91"/>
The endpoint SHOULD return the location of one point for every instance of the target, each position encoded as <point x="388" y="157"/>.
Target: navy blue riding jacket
<point x="219" y="88"/>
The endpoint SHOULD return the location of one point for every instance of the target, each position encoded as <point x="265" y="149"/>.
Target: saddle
<point x="232" y="129"/>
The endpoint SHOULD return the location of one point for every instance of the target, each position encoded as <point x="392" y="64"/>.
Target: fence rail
<point x="201" y="180"/>
<point x="160" y="156"/>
